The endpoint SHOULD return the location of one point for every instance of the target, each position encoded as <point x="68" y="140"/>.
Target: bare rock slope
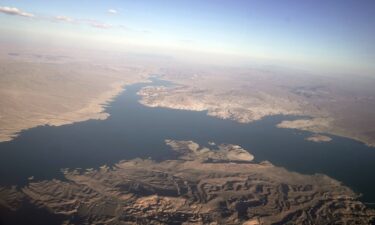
<point x="203" y="186"/>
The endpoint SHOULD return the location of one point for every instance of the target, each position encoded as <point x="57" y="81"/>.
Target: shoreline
<point x="95" y="109"/>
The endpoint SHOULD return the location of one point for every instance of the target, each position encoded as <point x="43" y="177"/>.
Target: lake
<point x="134" y="130"/>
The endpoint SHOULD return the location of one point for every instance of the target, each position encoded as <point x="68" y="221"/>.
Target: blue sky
<point x="334" y="34"/>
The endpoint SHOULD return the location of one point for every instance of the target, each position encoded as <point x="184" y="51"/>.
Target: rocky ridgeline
<point x="203" y="186"/>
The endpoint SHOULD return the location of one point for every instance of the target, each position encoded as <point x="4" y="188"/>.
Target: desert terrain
<point x="215" y="185"/>
<point x="187" y="112"/>
<point x="327" y="104"/>
<point x="54" y="89"/>
<point x="41" y="88"/>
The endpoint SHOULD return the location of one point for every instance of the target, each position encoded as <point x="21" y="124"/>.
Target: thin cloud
<point x="112" y="11"/>
<point x="88" y="22"/>
<point x="61" y="18"/>
<point x="96" y="24"/>
<point x="64" y="19"/>
<point x="15" y="12"/>
<point x="101" y="25"/>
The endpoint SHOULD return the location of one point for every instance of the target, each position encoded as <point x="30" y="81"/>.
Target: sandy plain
<point x="54" y="89"/>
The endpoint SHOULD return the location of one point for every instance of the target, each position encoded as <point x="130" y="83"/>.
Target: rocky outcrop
<point x="319" y="138"/>
<point x="190" y="150"/>
<point x="194" y="189"/>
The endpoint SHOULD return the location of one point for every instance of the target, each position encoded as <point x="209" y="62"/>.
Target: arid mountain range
<point x="216" y="185"/>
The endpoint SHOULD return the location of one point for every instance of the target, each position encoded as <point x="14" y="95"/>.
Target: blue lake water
<point x="133" y="130"/>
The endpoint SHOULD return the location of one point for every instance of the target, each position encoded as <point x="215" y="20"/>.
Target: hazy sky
<point x="339" y="35"/>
